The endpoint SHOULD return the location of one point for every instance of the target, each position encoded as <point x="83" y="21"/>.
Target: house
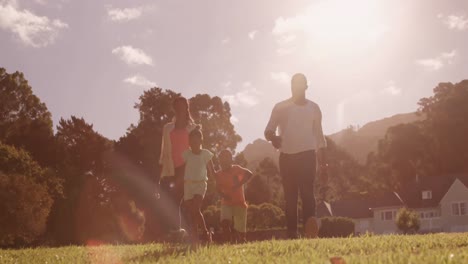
<point x="371" y="213"/>
<point x="441" y="203"/>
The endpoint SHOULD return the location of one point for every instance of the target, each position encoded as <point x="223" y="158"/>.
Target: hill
<point x="360" y="142"/>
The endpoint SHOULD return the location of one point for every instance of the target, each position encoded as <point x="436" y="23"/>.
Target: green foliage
<point x="345" y="175"/>
<point x="336" y="227"/>
<point x="257" y="191"/>
<point x="212" y="216"/>
<point x="215" y="118"/>
<point x="86" y="182"/>
<point x="265" y="216"/>
<point x="262" y="216"/>
<point x="408" y="221"/>
<point x="437" y="145"/>
<point x="25" y="121"/>
<point x="25" y="206"/>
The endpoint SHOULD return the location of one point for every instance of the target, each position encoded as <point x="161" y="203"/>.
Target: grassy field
<point x="437" y="248"/>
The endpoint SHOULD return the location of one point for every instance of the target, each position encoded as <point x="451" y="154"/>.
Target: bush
<point x="25" y="206"/>
<point x="265" y="216"/>
<point x="408" y="221"/>
<point x="25" y="197"/>
<point x="212" y="216"/>
<point x="336" y="227"/>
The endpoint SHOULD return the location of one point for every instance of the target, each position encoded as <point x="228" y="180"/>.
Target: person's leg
<point x="198" y="216"/>
<point x="240" y="223"/>
<point x="288" y="177"/>
<point x="178" y="190"/>
<point x="306" y="180"/>
<point x="226" y="218"/>
<point x="166" y="185"/>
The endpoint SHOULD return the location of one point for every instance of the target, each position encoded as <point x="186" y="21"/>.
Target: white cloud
<point x="124" y="14"/>
<point x="281" y="77"/>
<point x="455" y="22"/>
<point x="252" y="34"/>
<point x="234" y="119"/>
<point x="247" y="84"/>
<point x="392" y="89"/>
<point x="438" y="62"/>
<point x="226" y="84"/>
<point x="226" y="40"/>
<point x="139" y="81"/>
<point x="132" y="56"/>
<point x="247" y="97"/>
<point x="31" y="29"/>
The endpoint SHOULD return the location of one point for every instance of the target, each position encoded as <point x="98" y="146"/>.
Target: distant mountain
<point x="359" y="143"/>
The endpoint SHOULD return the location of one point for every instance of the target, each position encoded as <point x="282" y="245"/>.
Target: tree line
<point x="75" y="186"/>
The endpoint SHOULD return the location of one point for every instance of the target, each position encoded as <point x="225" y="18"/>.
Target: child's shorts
<point x="192" y="188"/>
<point x="237" y="214"/>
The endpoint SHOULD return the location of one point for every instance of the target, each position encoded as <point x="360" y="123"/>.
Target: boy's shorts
<point x="238" y="214"/>
<point x="192" y="188"/>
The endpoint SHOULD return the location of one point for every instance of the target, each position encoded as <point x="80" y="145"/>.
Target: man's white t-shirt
<point x="300" y="126"/>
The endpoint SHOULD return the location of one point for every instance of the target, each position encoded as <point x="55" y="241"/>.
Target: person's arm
<point x="211" y="170"/>
<point x="321" y="145"/>
<point x="320" y="140"/>
<point x="270" y="130"/>
<point x="247" y="176"/>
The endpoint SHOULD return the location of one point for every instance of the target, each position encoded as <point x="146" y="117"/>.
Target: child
<point x="229" y="182"/>
<point x="197" y="165"/>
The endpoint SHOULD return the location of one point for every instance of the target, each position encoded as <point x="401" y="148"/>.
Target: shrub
<point x="212" y="216"/>
<point x="25" y="206"/>
<point x="264" y="216"/>
<point x="408" y="221"/>
<point x="336" y="227"/>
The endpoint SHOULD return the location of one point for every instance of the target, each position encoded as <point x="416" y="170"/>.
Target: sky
<point x="364" y="59"/>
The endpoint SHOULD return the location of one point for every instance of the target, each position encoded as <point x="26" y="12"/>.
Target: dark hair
<point x="183" y="100"/>
<point x="196" y="132"/>
<point x="225" y="151"/>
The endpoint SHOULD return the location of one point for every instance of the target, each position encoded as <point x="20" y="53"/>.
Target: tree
<point x="401" y="153"/>
<point x="25" y="195"/>
<point x="408" y="221"/>
<point x="215" y="118"/>
<point x="445" y="125"/>
<point x="25" y="121"/>
<point x="345" y="175"/>
<point x="83" y="170"/>
<point x="257" y="191"/>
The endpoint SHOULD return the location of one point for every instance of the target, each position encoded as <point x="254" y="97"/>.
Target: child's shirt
<point x="195" y="165"/>
<point x="226" y="180"/>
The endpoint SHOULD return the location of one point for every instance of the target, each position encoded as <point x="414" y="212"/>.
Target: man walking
<point x="301" y="143"/>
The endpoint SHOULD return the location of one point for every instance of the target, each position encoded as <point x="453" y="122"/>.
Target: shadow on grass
<point x="155" y="255"/>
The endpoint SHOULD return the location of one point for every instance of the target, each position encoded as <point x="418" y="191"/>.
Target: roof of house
<point x="437" y="185"/>
<point x="362" y="205"/>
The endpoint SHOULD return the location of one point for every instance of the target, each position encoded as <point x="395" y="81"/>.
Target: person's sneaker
<point x="311" y="228"/>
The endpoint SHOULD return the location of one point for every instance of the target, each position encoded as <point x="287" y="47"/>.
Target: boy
<point x="229" y="182"/>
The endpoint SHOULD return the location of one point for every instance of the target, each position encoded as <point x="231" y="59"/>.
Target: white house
<point x="441" y="202"/>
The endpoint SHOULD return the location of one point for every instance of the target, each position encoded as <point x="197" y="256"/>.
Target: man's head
<point x="298" y="85"/>
<point x="225" y="159"/>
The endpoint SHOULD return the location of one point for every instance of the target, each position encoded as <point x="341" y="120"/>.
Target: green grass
<point x="437" y="248"/>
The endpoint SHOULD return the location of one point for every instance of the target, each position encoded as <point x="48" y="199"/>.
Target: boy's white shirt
<point x="165" y="159"/>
